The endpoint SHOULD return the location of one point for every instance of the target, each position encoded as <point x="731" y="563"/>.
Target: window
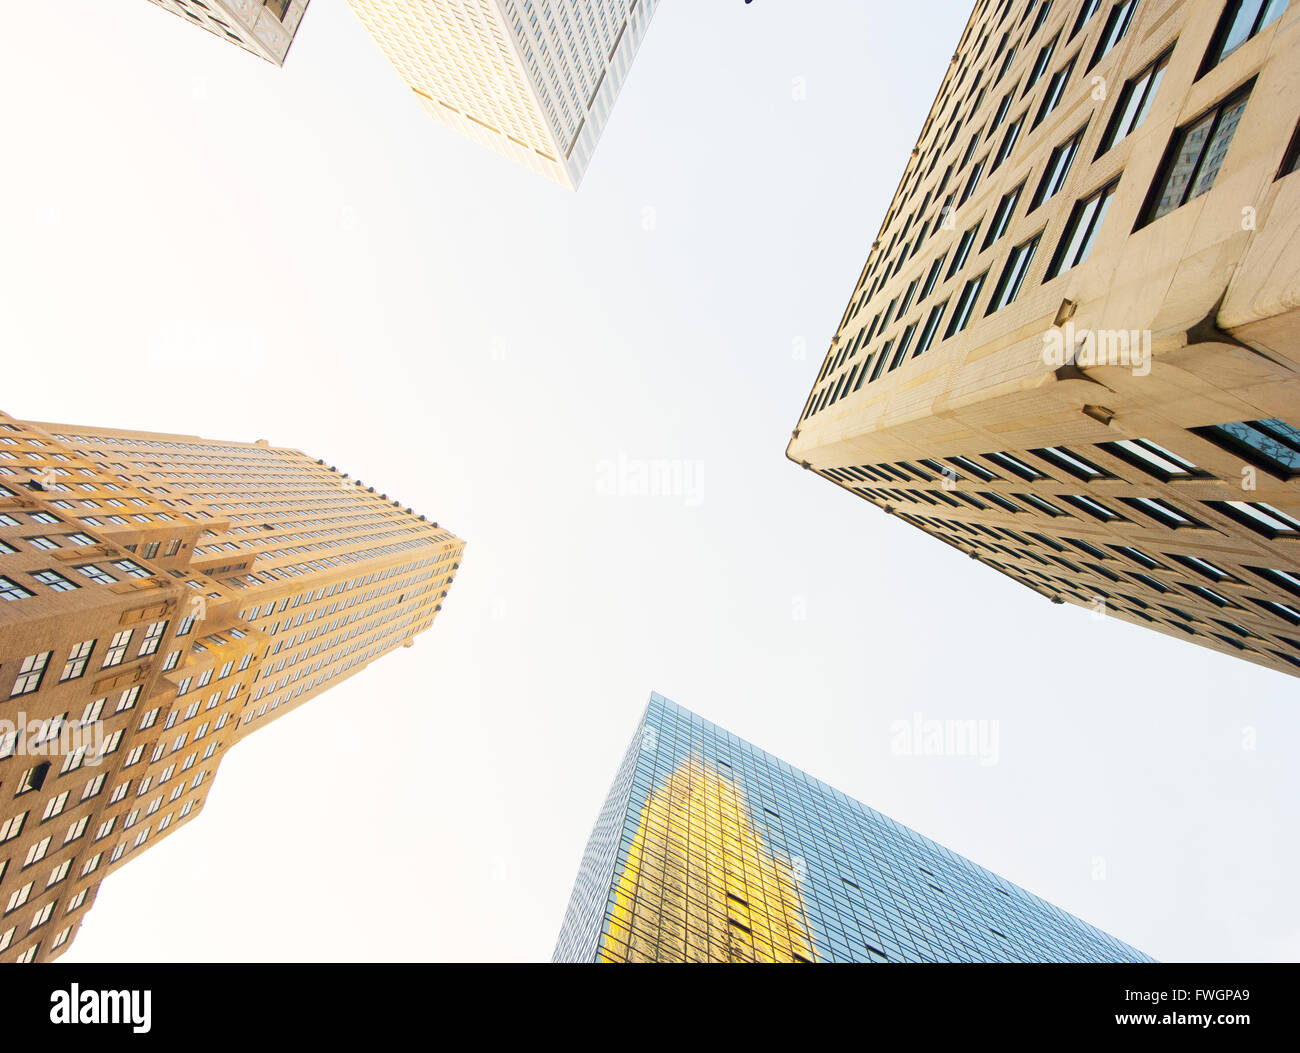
<point x="963" y="251"/>
<point x="1086" y="12"/>
<point x="1241" y="20"/>
<point x="1270" y="444"/>
<point x="43" y="543"/>
<point x="30" y="673"/>
<point x="1058" y="168"/>
<point x="19" y="897"/>
<point x="1152" y="458"/>
<point x="973" y="181"/>
<point x="1260" y="517"/>
<point x="1070" y="462"/>
<point x="1013" y="274"/>
<point x="931" y="328"/>
<point x="75" y="666"/>
<point x="32" y="779"/>
<point x="1081" y="231"/>
<point x="965" y="308"/>
<point x="12" y="827"/>
<point x="117" y="649"/>
<point x="1055" y="92"/>
<point x="95" y="574"/>
<point x="1117" y="23"/>
<point x="1195" y="156"/>
<point x="1291" y="159"/>
<point x="1134" y="103"/>
<point x="133" y="570"/>
<point x="55" y="580"/>
<point x="11" y="591"/>
<point x="1161" y="511"/>
<point x="1092" y="507"/>
<point x="1008" y="142"/>
<point x="1002" y="217"/>
<point x="1041" y="63"/>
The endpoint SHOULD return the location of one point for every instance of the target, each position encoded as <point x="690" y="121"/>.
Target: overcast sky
<point x="195" y="241"/>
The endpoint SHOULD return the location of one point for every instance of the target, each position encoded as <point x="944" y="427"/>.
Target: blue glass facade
<point x="709" y="849"/>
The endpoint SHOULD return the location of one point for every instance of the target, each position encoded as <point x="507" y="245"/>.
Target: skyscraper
<point x="534" y="80"/>
<point x="166" y="596"/>
<point x="708" y="849"/>
<point x="1074" y="351"/>
<point x="264" y="27"/>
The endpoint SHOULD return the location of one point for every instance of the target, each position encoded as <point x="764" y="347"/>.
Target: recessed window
<point x="1161" y="511"/>
<point x="10" y="590"/>
<point x="1259" y="517"/>
<point x="1055" y="91"/>
<point x="1058" y="168"/>
<point x="1117" y="25"/>
<point x="1270" y="444"/>
<point x="963" y="250"/>
<point x="30" y="673"/>
<point x="1195" y="156"/>
<point x="54" y="580"/>
<point x="1241" y="20"/>
<point x="965" y="308"/>
<point x="931" y="328"/>
<point x="75" y="666"/>
<point x="1081" y="231"/>
<point x="1134" y="103"/>
<point x="1002" y="216"/>
<point x="1152" y="458"/>
<point x="1092" y="507"/>
<point x="1013" y="274"/>
<point x="1070" y="462"/>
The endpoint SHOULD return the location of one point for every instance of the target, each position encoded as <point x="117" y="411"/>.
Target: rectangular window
<point x="116" y="654"/>
<point x="1194" y="157"/>
<point x="1002" y="216"/>
<point x="931" y="328"/>
<point x="965" y="308"/>
<point x="55" y="580"/>
<point x="963" y="251"/>
<point x="10" y="590"/>
<point x="30" y="673"/>
<point x="1013" y="274"/>
<point x="1272" y="444"/>
<point x="1117" y="24"/>
<point x="1055" y="91"/>
<point x="1081" y="231"/>
<point x="1134" y="103"/>
<point x="1241" y="20"/>
<point x="75" y="666"/>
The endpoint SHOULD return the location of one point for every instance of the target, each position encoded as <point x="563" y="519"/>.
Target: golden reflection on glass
<point x="699" y="884"/>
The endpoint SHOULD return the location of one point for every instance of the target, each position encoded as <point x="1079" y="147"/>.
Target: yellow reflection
<point x="700" y="886"/>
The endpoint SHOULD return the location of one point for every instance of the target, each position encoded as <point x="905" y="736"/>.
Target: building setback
<point x="1074" y="351"/>
<point x="708" y="849"/>
<point x="161" y="597"/>
<point x="264" y="27"/>
<point x="533" y="80"/>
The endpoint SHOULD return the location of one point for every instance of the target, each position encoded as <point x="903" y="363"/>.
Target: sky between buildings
<point x="195" y="241"/>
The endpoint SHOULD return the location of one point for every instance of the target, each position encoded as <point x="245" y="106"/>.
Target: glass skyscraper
<point x="708" y="849"/>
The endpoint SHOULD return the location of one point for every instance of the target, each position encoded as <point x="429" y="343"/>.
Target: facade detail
<point x="1074" y="351"/>
<point x="161" y="597"/>
<point x="533" y="80"/>
<point x="264" y="27"/>
<point x="711" y="850"/>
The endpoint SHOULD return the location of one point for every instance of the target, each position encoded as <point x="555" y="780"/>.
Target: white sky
<point x="195" y="241"/>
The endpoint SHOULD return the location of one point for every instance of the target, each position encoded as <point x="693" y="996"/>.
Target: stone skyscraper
<point x="1074" y="351"/>
<point x="162" y="596"/>
<point x="533" y="80"/>
<point x="264" y="27"/>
